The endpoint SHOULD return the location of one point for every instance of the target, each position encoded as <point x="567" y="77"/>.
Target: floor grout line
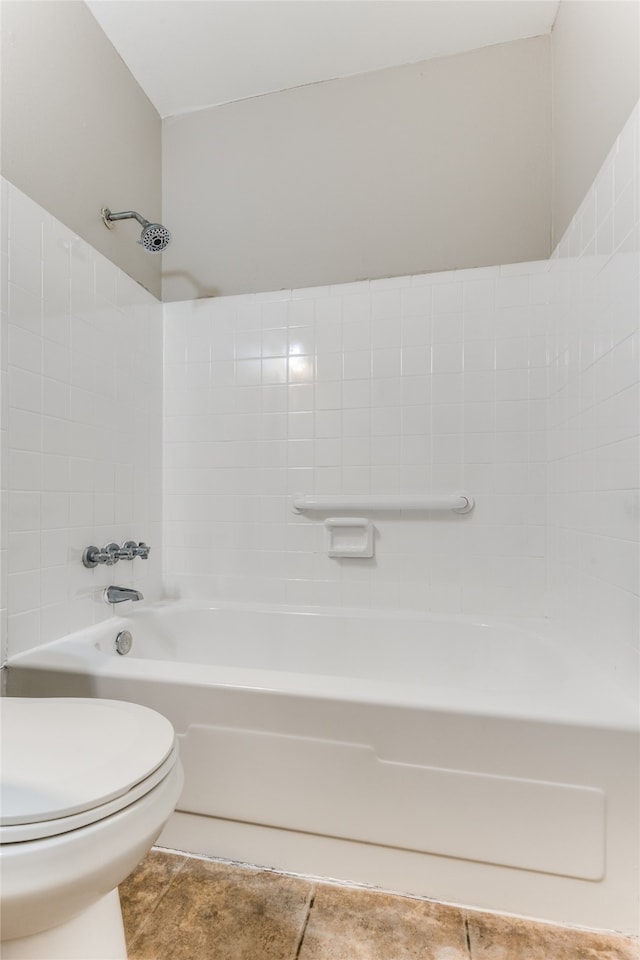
<point x="312" y="899"/>
<point x="467" y="935"/>
<point x="157" y="902"/>
<point x="498" y="925"/>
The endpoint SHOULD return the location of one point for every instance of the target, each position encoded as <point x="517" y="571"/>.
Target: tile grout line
<point x="312" y="898"/>
<point x="157" y="903"/>
<point x="314" y="883"/>
<point x="467" y="935"/>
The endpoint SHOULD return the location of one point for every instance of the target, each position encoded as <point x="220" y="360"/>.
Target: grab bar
<point x="459" y="502"/>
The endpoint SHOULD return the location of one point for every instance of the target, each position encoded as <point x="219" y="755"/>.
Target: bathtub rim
<point x="594" y="700"/>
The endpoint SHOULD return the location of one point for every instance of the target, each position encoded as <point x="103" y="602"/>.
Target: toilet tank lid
<point x="62" y="756"/>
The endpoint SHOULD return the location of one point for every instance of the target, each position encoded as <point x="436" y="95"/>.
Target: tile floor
<point x="178" y="907"/>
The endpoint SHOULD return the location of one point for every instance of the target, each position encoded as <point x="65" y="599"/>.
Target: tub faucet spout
<point x="119" y="594"/>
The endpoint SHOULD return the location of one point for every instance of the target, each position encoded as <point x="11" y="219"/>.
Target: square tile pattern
<point x="517" y="382"/>
<point x="178" y="907"/>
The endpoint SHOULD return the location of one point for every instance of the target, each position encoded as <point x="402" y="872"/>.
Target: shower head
<point x="154" y="237"/>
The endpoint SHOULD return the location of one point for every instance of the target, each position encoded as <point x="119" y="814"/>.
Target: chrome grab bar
<point x="459" y="502"/>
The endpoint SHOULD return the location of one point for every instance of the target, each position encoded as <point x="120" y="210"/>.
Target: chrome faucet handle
<point x="128" y="550"/>
<point x="114" y="553"/>
<point x="92" y="556"/>
<point x="143" y="551"/>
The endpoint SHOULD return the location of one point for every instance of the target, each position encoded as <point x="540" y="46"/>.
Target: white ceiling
<point x="191" y="54"/>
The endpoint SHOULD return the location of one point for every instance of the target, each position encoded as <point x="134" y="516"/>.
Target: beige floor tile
<point x="351" y="924"/>
<point x="221" y="911"/>
<point x="143" y="888"/>
<point x="504" y="938"/>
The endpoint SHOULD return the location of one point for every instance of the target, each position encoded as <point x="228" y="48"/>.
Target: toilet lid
<point x="62" y="757"/>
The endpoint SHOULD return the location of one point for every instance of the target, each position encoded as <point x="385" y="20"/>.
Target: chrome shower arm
<point x="109" y="217"/>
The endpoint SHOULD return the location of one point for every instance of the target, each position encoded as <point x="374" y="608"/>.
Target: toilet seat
<point x="69" y="762"/>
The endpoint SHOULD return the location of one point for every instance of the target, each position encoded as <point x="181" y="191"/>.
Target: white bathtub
<point x="466" y="761"/>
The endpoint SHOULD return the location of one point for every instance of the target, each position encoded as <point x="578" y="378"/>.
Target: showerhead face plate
<point x="155" y="238"/>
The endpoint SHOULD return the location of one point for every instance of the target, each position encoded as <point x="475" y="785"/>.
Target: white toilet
<point x="86" y="786"/>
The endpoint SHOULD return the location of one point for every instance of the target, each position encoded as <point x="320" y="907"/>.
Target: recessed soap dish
<point x="349" y="537"/>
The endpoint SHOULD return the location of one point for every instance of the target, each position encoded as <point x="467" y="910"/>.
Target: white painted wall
<point x="77" y="131"/>
<point x="596" y="83"/>
<point x="84" y="421"/>
<point x="440" y="164"/>
<point x="215" y="53"/>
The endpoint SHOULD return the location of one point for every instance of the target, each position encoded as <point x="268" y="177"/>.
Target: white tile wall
<point x="4" y="419"/>
<point x="517" y="383"/>
<point x="83" y="425"/>
<point x="594" y="414"/>
<point x="422" y="383"/>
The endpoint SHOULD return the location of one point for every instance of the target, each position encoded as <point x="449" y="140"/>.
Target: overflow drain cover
<point x="124" y="642"/>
